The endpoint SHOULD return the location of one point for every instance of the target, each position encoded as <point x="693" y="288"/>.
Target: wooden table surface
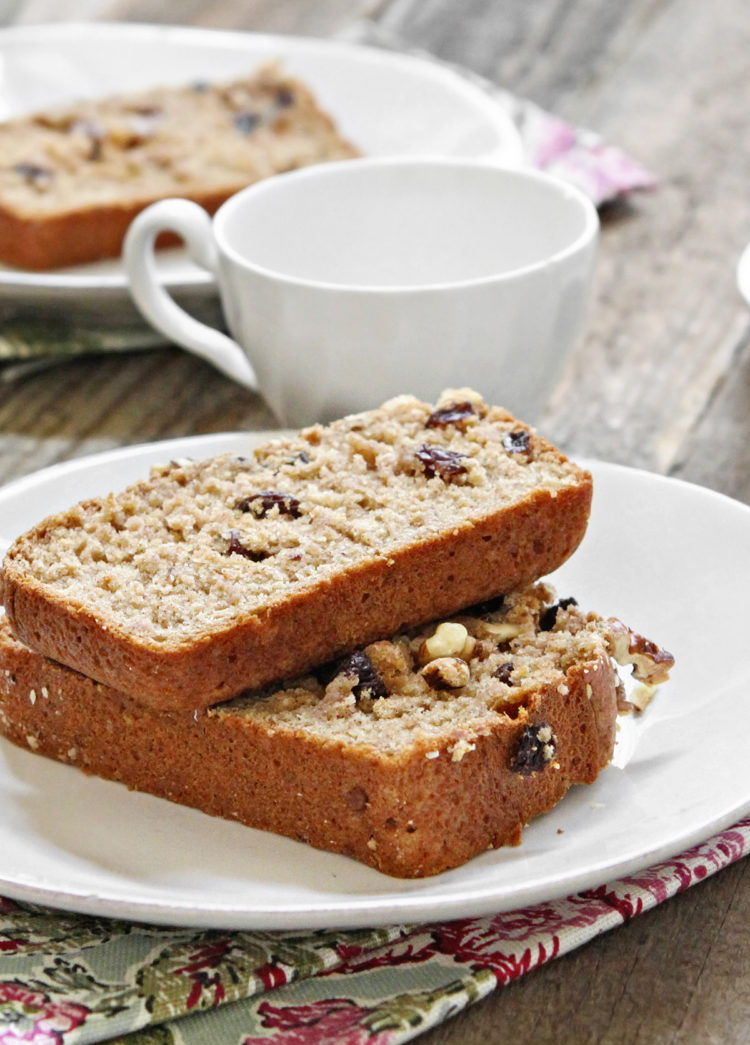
<point x="660" y="380"/>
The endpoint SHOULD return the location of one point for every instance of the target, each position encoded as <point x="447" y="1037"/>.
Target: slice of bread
<point x="412" y="754"/>
<point x="217" y="576"/>
<point x="72" y="179"/>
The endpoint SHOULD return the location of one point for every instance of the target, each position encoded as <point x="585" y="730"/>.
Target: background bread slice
<point x="72" y="179"/>
<point x="213" y="577"/>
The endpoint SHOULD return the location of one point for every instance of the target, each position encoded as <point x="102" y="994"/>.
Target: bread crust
<point x="432" y="578"/>
<point x="83" y="236"/>
<point x="412" y="815"/>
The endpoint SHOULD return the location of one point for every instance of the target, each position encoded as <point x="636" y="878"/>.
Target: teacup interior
<point x="402" y="224"/>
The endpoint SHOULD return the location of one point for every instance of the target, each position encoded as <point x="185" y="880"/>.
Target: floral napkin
<point x="68" y="979"/>
<point x="578" y="155"/>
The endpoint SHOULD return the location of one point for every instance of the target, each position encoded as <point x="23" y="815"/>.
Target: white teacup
<point x="344" y="284"/>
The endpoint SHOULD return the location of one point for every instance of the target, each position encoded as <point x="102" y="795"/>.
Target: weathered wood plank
<point x="96" y="404"/>
<point x="678" y="974"/>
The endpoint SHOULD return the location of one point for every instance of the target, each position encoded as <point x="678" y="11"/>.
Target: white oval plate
<point x="385" y="103"/>
<point x="669" y="558"/>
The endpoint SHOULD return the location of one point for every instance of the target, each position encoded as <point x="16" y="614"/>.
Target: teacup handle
<point x="193" y="225"/>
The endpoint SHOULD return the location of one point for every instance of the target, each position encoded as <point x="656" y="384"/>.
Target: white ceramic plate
<point x="669" y="558"/>
<point x="743" y="274"/>
<point x="386" y="103"/>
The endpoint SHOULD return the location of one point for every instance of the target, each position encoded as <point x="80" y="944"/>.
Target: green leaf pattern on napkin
<point x="32" y="338"/>
<point x="67" y="979"/>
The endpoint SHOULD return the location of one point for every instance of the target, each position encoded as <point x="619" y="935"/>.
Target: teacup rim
<point x="566" y="190"/>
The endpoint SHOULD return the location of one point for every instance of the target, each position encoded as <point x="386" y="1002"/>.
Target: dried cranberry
<point x="438" y="461"/>
<point x="549" y="615"/>
<point x="484" y="609"/>
<point x="504" y="672"/>
<point x="451" y="415"/>
<point x="260" y="504"/>
<point x="236" y="547"/>
<point x="34" y="173"/>
<point x="369" y="683"/>
<point x="535" y="750"/>
<point x="517" y="442"/>
<point x="285" y="97"/>
<point x="246" y="122"/>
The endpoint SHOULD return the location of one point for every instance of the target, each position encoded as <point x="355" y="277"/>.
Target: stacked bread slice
<point x="343" y="639"/>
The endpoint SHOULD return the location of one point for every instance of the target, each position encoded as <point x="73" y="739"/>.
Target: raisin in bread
<point x="216" y="576"/>
<point x="72" y="180"/>
<point x="412" y="754"/>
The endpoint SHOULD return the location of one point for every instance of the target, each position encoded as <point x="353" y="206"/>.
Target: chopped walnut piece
<point x="392" y="660"/>
<point x="642" y="696"/>
<point x="450" y="640"/>
<point x="499" y="631"/>
<point x="446" y="673"/>
<point x="651" y="664"/>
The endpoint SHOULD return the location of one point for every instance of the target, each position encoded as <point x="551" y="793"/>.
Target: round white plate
<point x="669" y="558"/>
<point x="385" y="103"/>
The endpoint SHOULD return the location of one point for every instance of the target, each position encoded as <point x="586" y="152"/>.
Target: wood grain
<point x="660" y="379"/>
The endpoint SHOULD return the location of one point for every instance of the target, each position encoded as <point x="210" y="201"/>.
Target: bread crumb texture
<point x="384" y="697"/>
<point x="200" y="544"/>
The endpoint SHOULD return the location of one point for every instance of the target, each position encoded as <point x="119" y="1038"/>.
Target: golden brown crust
<point x="431" y="579"/>
<point x="411" y="815"/>
<point x="81" y="237"/>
